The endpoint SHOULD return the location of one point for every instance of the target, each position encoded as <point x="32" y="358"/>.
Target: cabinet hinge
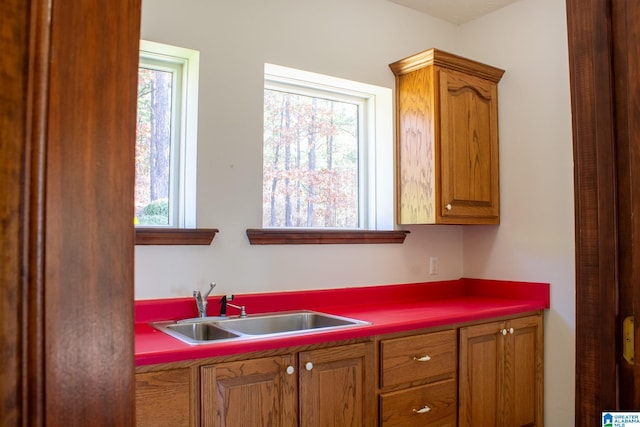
<point x="628" y="349"/>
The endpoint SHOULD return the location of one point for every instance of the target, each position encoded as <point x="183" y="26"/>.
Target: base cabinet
<point x="501" y="374"/>
<point x="418" y="380"/>
<point x="337" y="387"/>
<point x="326" y="387"/>
<point x="167" y="398"/>
<point x="488" y="374"/>
<point x="255" y="392"/>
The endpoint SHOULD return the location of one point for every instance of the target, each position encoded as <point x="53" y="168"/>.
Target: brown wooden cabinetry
<point x="255" y="392"/>
<point x="501" y="373"/>
<point x="446" y="140"/>
<point x="317" y="387"/>
<point x="418" y="380"/>
<point x="167" y="398"/>
<point x="488" y="374"/>
<point x="337" y="386"/>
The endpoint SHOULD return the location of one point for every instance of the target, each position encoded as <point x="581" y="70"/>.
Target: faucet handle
<point x="211" y="286"/>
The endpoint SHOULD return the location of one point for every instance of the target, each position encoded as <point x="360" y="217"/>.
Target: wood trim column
<point x="590" y="65"/>
<point x="89" y="236"/>
<point x="24" y="67"/>
<point x="67" y="126"/>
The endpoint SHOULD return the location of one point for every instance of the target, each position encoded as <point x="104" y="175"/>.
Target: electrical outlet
<point x="433" y="265"/>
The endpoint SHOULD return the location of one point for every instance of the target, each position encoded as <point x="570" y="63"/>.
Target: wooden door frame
<point x="21" y="209"/>
<point x="67" y="132"/>
<point x="597" y="34"/>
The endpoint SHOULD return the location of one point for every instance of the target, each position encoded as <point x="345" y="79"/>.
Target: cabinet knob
<point x="424" y="358"/>
<point x="510" y="330"/>
<point x="448" y="207"/>
<point x="503" y="331"/>
<point x="308" y="366"/>
<point x="422" y="410"/>
<point x="290" y="370"/>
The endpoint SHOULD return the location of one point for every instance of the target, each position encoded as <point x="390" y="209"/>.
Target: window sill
<point x="175" y="236"/>
<point x="279" y="236"/>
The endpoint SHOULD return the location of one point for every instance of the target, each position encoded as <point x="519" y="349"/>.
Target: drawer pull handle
<point x="424" y="358"/>
<point x="422" y="410"/>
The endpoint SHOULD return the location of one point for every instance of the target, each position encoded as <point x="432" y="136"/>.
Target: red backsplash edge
<point x="179" y="308"/>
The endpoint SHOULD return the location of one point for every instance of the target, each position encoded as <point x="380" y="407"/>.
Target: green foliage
<point x="158" y="207"/>
<point x="155" y="213"/>
<point x="153" y="220"/>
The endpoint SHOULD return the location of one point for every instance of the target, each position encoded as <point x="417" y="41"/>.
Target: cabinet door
<point x="469" y="149"/>
<point x="501" y="374"/>
<point x="337" y="386"/>
<point x="167" y="398"/>
<point x="524" y="372"/>
<point x="252" y="393"/>
<point x="481" y="375"/>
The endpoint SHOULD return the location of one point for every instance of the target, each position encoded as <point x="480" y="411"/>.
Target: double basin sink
<point x="214" y="329"/>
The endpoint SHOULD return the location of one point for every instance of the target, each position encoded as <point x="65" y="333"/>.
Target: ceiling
<point x="455" y="11"/>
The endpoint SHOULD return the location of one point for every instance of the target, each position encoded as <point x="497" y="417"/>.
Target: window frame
<point x="185" y="63"/>
<point x="185" y="231"/>
<point x="376" y="177"/>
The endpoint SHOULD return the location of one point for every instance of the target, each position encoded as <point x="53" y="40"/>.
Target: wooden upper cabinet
<point x="446" y="140"/>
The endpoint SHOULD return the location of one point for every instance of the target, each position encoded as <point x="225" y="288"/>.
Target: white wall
<point x="356" y="39"/>
<point x="535" y="240"/>
<point x="353" y="39"/>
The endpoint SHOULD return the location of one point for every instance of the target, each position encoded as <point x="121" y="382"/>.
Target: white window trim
<point x="379" y="154"/>
<point x="187" y="129"/>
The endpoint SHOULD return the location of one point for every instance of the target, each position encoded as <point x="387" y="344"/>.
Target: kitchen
<point x="534" y="241"/>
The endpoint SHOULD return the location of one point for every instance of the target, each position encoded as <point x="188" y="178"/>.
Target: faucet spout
<point x="201" y="301"/>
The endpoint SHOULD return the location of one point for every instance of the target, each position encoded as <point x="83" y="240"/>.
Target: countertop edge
<point x="390" y="308"/>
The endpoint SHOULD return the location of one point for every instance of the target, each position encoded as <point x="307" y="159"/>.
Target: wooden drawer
<point x="419" y="357"/>
<point x="423" y="406"/>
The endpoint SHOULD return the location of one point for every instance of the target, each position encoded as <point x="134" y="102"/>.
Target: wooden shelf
<point x="175" y="236"/>
<point x="278" y="236"/>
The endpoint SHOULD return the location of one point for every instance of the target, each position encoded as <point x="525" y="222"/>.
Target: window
<point x="328" y="156"/>
<point x="166" y="136"/>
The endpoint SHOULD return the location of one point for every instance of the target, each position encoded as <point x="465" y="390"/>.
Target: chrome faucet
<point x="201" y="301"/>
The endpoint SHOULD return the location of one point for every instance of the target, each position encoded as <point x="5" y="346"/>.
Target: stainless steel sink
<point x="195" y="332"/>
<point x="203" y="331"/>
<point x="286" y="323"/>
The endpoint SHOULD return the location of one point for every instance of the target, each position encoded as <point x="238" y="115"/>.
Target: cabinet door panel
<point x="432" y="405"/>
<point x="337" y="388"/>
<point x="524" y="371"/>
<point x="167" y="398"/>
<point x="254" y="393"/>
<point x="469" y="146"/>
<point x="481" y="375"/>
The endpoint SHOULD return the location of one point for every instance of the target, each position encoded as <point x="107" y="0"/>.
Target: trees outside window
<point x="166" y="136"/>
<point x="311" y="150"/>
<point x="327" y="152"/>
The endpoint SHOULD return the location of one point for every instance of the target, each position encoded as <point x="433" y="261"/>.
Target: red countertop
<point x="389" y="308"/>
